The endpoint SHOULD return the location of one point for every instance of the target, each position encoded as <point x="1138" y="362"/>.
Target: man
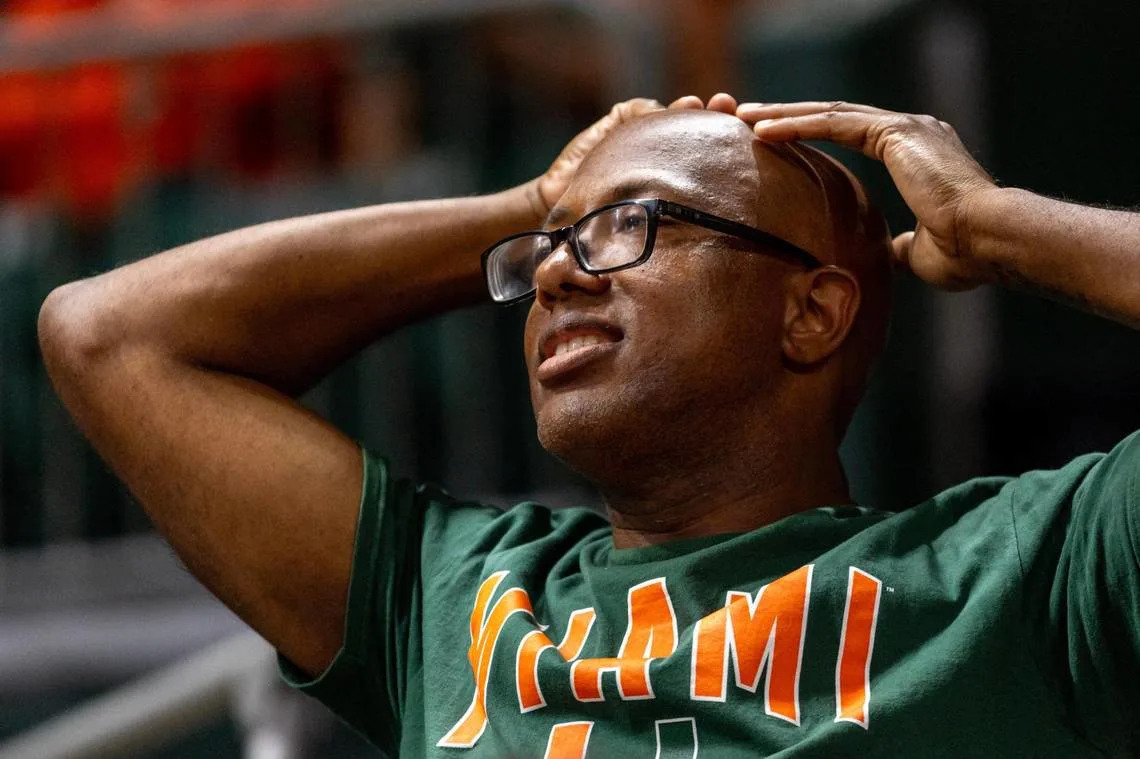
<point x="707" y="298"/>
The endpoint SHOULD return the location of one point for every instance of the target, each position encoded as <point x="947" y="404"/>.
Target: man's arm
<point x="1087" y="257"/>
<point x="182" y="370"/>
<point x="179" y="369"/>
<point x="970" y="231"/>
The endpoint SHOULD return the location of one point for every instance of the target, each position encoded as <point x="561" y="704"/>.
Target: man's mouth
<point x="563" y="347"/>
<point x="572" y="346"/>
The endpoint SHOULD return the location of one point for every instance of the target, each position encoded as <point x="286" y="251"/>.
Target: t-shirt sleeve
<point x="1078" y="533"/>
<point x="418" y="549"/>
<point x="365" y="683"/>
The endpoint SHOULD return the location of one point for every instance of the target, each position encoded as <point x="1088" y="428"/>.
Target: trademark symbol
<point x="890" y="589"/>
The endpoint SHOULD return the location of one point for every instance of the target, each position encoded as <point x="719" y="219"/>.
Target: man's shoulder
<point x="1002" y="510"/>
<point x="1037" y="487"/>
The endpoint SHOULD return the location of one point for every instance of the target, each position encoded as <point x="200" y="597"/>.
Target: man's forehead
<point x="627" y="187"/>
<point x="683" y="156"/>
<point x="683" y="141"/>
<point x="702" y="158"/>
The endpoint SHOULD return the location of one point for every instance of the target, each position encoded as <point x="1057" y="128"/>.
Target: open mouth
<point x="562" y="347"/>
<point x="571" y="347"/>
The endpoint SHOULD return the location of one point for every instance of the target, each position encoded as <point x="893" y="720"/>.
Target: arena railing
<point x="232" y="677"/>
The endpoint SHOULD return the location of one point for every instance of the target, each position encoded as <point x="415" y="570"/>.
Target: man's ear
<point x="820" y="309"/>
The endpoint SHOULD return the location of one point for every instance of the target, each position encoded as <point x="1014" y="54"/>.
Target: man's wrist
<point x="981" y="231"/>
<point x="525" y="206"/>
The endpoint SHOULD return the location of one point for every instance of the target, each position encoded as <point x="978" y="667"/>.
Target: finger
<point x="637" y="107"/>
<point x="722" y="102"/>
<point x="855" y="130"/>
<point x="644" y="105"/>
<point x="752" y="112"/>
<point x="900" y="250"/>
<point x="688" y="102"/>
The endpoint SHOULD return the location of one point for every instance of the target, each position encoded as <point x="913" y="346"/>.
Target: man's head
<point x="707" y="347"/>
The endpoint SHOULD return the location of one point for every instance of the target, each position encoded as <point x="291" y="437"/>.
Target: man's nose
<point x="560" y="277"/>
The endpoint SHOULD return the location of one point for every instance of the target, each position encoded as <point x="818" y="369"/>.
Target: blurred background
<point x="131" y="126"/>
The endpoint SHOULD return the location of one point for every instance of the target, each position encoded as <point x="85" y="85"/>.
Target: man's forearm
<point x="1088" y="257"/>
<point x="285" y="302"/>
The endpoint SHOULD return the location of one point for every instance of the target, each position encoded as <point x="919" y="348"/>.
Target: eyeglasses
<point x="614" y="237"/>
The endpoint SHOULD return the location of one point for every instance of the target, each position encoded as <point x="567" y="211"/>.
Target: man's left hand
<point x="935" y="174"/>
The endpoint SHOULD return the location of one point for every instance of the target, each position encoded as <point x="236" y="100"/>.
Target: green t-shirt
<point x="999" y="619"/>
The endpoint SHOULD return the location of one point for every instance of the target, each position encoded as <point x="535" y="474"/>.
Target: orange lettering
<point x="767" y="631"/>
<point x="576" y="631"/>
<point x="532" y="646"/>
<point x="651" y="633"/>
<point x="526" y="670"/>
<point x="568" y="740"/>
<point x="485" y="629"/>
<point x="710" y="657"/>
<point x="853" y="670"/>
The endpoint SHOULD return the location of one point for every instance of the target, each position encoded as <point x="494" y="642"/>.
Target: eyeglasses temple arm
<point x="719" y="224"/>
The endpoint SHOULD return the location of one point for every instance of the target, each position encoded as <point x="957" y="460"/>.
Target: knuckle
<point x="905" y="122"/>
<point x="834" y="106"/>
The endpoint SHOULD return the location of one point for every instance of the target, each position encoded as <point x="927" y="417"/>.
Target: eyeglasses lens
<point x="613" y="238"/>
<point x="607" y="240"/>
<point x="511" y="266"/>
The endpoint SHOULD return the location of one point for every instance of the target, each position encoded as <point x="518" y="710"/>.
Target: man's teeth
<point x="575" y="343"/>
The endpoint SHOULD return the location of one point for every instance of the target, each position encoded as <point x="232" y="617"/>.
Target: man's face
<point x="692" y="336"/>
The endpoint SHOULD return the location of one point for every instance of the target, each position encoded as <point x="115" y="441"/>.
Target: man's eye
<point x="631" y="222"/>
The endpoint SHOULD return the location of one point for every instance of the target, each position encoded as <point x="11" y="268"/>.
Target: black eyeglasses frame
<point x="655" y="208"/>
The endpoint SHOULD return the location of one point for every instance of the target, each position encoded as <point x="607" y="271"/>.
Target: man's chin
<point x="575" y="433"/>
<point x="578" y="400"/>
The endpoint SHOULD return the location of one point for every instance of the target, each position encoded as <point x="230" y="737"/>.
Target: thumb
<point x="900" y="250"/>
<point x="636" y="107"/>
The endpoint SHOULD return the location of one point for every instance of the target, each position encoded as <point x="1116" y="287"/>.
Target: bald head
<point x="792" y="190"/>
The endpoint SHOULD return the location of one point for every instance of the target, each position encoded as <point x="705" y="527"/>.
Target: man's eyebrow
<point x="642" y="188"/>
<point x="630" y="189"/>
<point x="557" y="217"/>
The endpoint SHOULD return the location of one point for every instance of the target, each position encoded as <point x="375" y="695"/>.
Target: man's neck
<point x="727" y="497"/>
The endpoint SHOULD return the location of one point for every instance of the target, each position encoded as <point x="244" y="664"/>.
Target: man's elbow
<point x="74" y="333"/>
